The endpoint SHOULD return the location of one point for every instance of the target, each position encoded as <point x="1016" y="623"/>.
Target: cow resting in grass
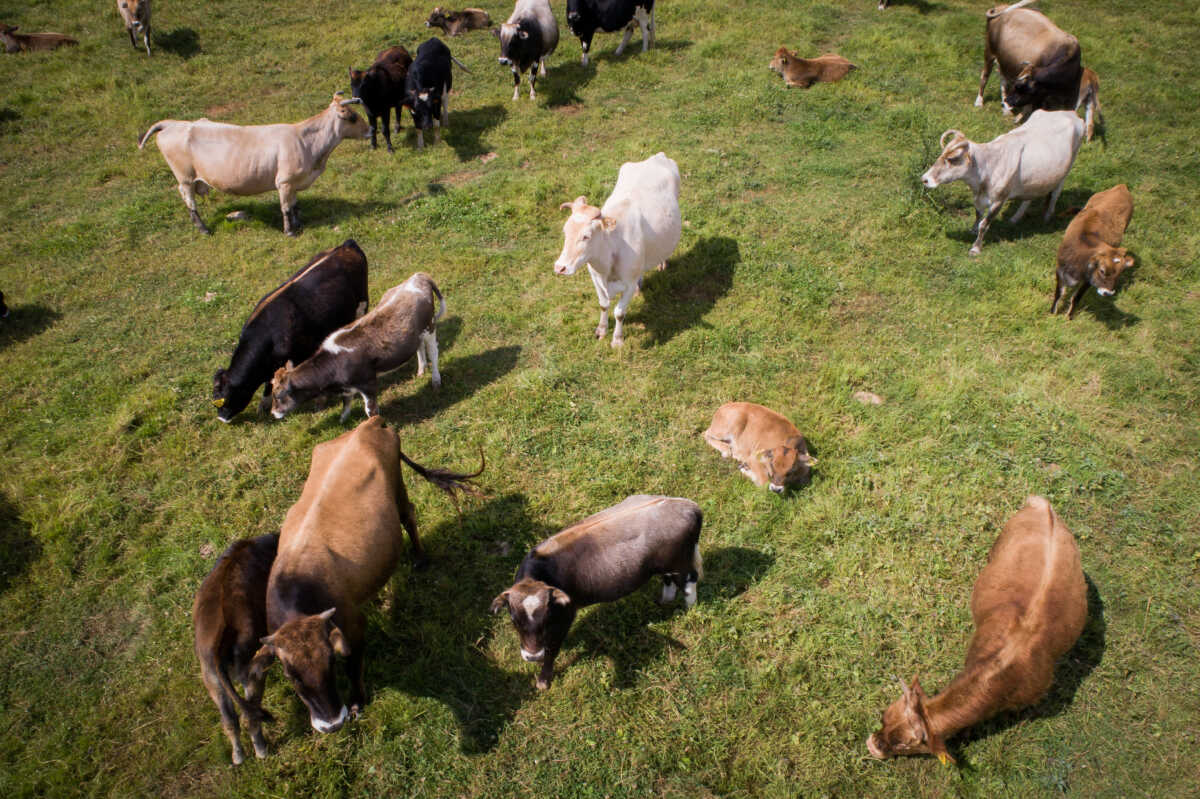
<point x="136" y="16"/>
<point x="338" y="546"/>
<point x="253" y="159"/>
<point x="638" y="227"/>
<point x="29" y="42"/>
<point x="230" y="619"/>
<point x="1026" y="163"/>
<point x="290" y="323"/>
<point x="1090" y="254"/>
<point x="585" y="17"/>
<point x="804" y="72"/>
<point x="1039" y="62"/>
<point x="351" y="359"/>
<point x="768" y="448"/>
<point x="454" y="23"/>
<point x="601" y="559"/>
<point x="381" y="88"/>
<point x="1029" y="606"/>
<point x="526" y="39"/>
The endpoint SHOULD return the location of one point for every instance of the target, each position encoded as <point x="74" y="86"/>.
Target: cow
<point x="338" y="546"/>
<point x="585" y="17"/>
<point x="1029" y="605"/>
<point x="1090" y="254"/>
<point x="1039" y="62"/>
<point x="639" y="226"/>
<point x="1089" y="99"/>
<point x="454" y="23"/>
<point x="526" y="40"/>
<point x="601" y="559"/>
<point x="804" y="72"/>
<point x="136" y="15"/>
<point x="351" y="359"/>
<point x="769" y="449"/>
<point x="1026" y="163"/>
<point x="255" y="158"/>
<point x="427" y="88"/>
<point x="229" y="617"/>
<point x="29" y="42"/>
<point x="381" y="88"/>
<point x="290" y="322"/>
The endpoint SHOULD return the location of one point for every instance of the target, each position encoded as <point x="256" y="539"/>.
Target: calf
<point x="804" y="72"/>
<point x="1089" y="98"/>
<point x="136" y="15"/>
<point x="601" y="559"/>
<point x="1029" y="606"/>
<point x="290" y="323"/>
<point x="1039" y="62"/>
<point x="638" y="227"/>
<point x="769" y="449"/>
<point x="427" y="88"/>
<point x="1089" y="254"/>
<point x="381" y="88"/>
<point x="338" y="546"/>
<point x="526" y="39"/>
<point x="230" y="618"/>
<point x="453" y="23"/>
<point x="585" y="17"/>
<point x="1026" y="163"/>
<point x="28" y="42"/>
<point x="351" y="359"/>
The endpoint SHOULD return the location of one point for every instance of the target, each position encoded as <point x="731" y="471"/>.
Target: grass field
<point x="812" y="266"/>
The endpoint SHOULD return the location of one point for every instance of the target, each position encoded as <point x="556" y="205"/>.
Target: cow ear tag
<point x="220" y="403"/>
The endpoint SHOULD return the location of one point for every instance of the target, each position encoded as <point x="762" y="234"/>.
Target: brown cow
<point x="804" y="72"/>
<point x="230" y="618"/>
<point x="338" y="546"/>
<point x="1089" y="96"/>
<point x="1039" y="62"/>
<point x="457" y="22"/>
<point x="1029" y="606"/>
<point x="27" y="42"/>
<point x="769" y="448"/>
<point x="136" y="16"/>
<point x="1089" y="254"/>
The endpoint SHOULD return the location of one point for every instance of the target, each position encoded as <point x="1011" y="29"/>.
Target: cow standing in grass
<point x="136" y="16"/>
<point x="381" y="88"/>
<point x="526" y="40"/>
<point x="585" y="17"/>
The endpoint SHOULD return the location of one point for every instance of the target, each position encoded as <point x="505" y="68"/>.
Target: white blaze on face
<point x="330" y="726"/>
<point x="531" y="604"/>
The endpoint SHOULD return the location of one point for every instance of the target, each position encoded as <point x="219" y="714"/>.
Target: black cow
<point x="427" y="88"/>
<point x="585" y="17"/>
<point x="526" y="39"/>
<point x="291" y="322"/>
<point x="381" y="88"/>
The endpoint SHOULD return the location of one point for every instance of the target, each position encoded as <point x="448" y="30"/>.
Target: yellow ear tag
<point x="944" y="758"/>
<point x="220" y="403"/>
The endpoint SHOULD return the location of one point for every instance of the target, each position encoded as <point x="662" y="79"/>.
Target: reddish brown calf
<point x="1089" y="255"/>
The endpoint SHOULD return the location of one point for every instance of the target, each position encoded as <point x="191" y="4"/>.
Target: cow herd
<point x="297" y="597"/>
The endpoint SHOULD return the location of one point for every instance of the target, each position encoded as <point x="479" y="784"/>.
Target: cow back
<point x="1110" y="211"/>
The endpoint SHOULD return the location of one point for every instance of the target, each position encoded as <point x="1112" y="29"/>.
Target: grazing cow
<point x="28" y="42"/>
<point x="1089" y="254"/>
<point x="804" y="72"/>
<point x="601" y="559"/>
<point x="290" y="323"/>
<point x="1029" y="606"/>
<point x="427" y="88"/>
<point x="1089" y="98"/>
<point x="351" y="359"/>
<point x="338" y="546"/>
<point x="585" y="17"/>
<point x="1026" y="163"/>
<point x="381" y="88"/>
<point x="255" y="158"/>
<point x="1039" y="62"/>
<point x="453" y="23"/>
<point x="136" y="15"/>
<point x="526" y="39"/>
<point x="769" y="449"/>
<point x="230" y="619"/>
<point x="638" y="227"/>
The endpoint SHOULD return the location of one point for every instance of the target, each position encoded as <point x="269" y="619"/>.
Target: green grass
<point x="812" y="266"/>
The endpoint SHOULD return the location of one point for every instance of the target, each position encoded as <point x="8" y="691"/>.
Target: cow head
<point x="906" y="729"/>
<point x="953" y="164"/>
<point x="507" y="33"/>
<point x="426" y="106"/>
<point x="783" y="57"/>
<point x="437" y="18"/>
<point x="284" y="395"/>
<point x="787" y="464"/>
<point x="581" y="234"/>
<point x="1105" y="266"/>
<point x="532" y="605"/>
<point x="229" y="399"/>
<point x="349" y="124"/>
<point x="356" y="81"/>
<point x="306" y="647"/>
<point x="1023" y="90"/>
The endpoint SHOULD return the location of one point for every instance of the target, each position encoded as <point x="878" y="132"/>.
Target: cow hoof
<point x="979" y="102"/>
<point x="601" y="331"/>
<point x="617" y="342"/>
<point x="542" y="685"/>
<point x="974" y="251"/>
<point x="437" y="382"/>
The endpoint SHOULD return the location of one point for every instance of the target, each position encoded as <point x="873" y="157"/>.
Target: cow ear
<point x="935" y="742"/>
<point x="559" y="597"/>
<point x="500" y="602"/>
<point x="608" y="223"/>
<point x="1128" y="262"/>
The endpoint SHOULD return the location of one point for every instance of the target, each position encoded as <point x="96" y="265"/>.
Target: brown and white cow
<point x="29" y="42"/>
<point x="1029" y="605"/>
<point x="338" y="546"/>
<point x="804" y="72"/>
<point x="454" y="23"/>
<point x="768" y="447"/>
<point x="136" y="16"/>
<point x="1090" y="254"/>
<point x="1039" y="62"/>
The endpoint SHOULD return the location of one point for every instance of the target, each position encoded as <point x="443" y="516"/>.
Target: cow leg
<point x="1058" y="291"/>
<point x="132" y="43"/>
<point x="603" y="298"/>
<point x="1021" y="209"/>
<point x="721" y="445"/>
<point x="229" y="716"/>
<point x="669" y="588"/>
<point x="429" y="348"/>
<point x="1087" y="119"/>
<point x="369" y="392"/>
<point x="287" y="202"/>
<point x="420" y="139"/>
<point x="354" y="631"/>
<point x="542" y="66"/>
<point x="146" y="38"/>
<point x="445" y="106"/>
<point x="347" y="402"/>
<point x="408" y="518"/>
<point x="533" y="81"/>
<point x="643" y="21"/>
<point x="1079" y="292"/>
<point x="253" y="690"/>
<point x="983" y="77"/>
<point x="689" y="589"/>
<point x="586" y="44"/>
<point x="627" y="293"/>
<point x="1052" y="201"/>
<point x="187" y="190"/>
<point x="374" y="120"/>
<point x="625" y="39"/>
<point x="985" y="221"/>
<point x="516" y="84"/>
<point x="652" y="27"/>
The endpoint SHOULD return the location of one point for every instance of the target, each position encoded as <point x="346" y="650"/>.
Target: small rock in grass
<point x="867" y="398"/>
<point x="207" y="550"/>
<point x="209" y="296"/>
<point x="237" y="216"/>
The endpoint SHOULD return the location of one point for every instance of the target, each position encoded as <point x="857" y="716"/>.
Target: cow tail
<point x="251" y="712"/>
<point x="453" y="483"/>
<point x="461" y="65"/>
<point x="442" y="300"/>
<point x="992" y="13"/>
<point x="154" y="129"/>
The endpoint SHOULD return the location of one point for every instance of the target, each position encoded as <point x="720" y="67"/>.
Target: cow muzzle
<point x="775" y="488"/>
<point x="533" y="657"/>
<point x="504" y="61"/>
<point x="929" y="181"/>
<point x="330" y="726"/>
<point x="1104" y="292"/>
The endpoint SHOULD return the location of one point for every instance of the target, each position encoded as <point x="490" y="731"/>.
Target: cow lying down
<point x="768" y="448"/>
<point x="804" y="72"/>
<point x="351" y="359"/>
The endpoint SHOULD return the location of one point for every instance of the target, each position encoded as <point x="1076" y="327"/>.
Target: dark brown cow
<point x="1039" y="62"/>
<point x="381" y="88"/>
<point x="454" y="23"/>
<point x="1089" y="254"/>
<point x="27" y="42"/>
<point x="804" y="72"/>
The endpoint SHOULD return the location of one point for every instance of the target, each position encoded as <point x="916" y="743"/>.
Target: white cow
<point x="638" y="227"/>
<point x="255" y="158"/>
<point x="1026" y="163"/>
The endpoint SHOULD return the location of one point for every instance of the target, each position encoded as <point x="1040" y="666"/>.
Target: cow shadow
<point x="461" y="378"/>
<point x="183" y="42"/>
<point x="678" y="297"/>
<point x="8" y="114"/>
<point x="564" y="82"/>
<point x="729" y="571"/>
<point x="25" y="321"/>
<point x="18" y="547"/>
<point x="466" y="129"/>
<point x="1002" y="229"/>
<point x="634" y="48"/>
<point x="314" y="211"/>
<point x="921" y="6"/>
<point x="1069" y="674"/>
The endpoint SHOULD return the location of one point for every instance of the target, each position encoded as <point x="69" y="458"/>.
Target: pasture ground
<point x="812" y="266"/>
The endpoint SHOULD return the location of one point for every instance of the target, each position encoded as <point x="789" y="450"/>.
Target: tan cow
<point x="1029" y="606"/>
<point x="804" y="72"/>
<point x="769" y="448"/>
<point x="28" y="42"/>
<point x="1089" y="254"/>
<point x="136" y="16"/>
<point x="253" y="159"/>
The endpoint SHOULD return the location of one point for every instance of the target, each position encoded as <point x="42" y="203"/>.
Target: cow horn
<point x="351" y="101"/>
<point x="957" y="134"/>
<point x="328" y="614"/>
